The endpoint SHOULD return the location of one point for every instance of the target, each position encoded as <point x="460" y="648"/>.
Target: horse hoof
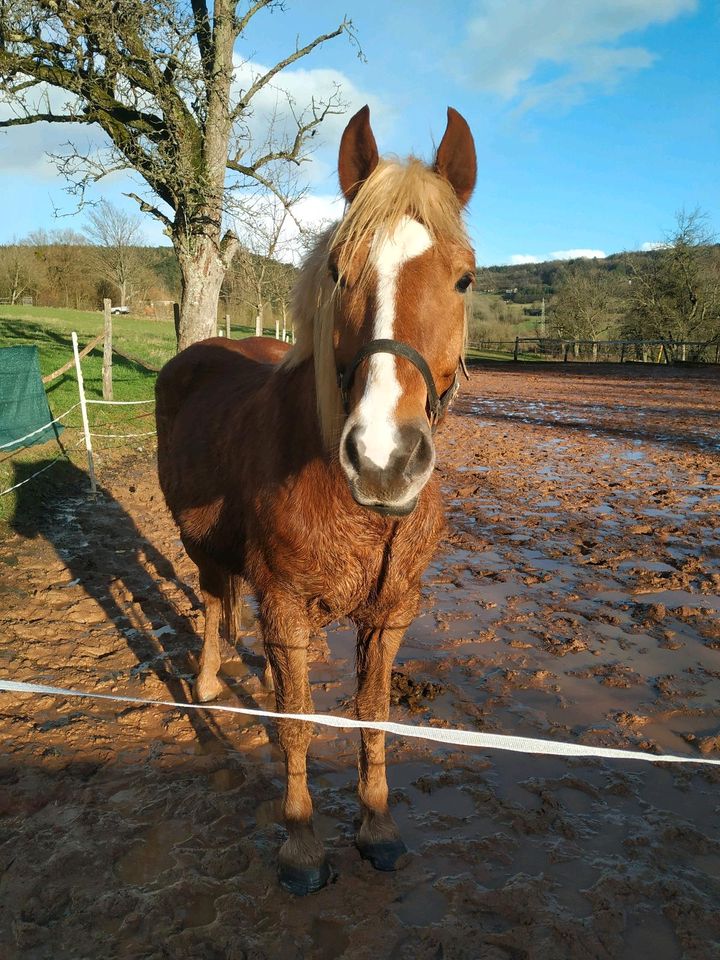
<point x="303" y="880"/>
<point x="207" y="690"/>
<point x="383" y="856"/>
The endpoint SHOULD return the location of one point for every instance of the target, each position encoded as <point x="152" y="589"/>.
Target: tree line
<point x="78" y="270"/>
<point x="671" y="293"/>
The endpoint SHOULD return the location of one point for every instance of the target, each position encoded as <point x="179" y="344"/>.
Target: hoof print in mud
<point x="304" y="880"/>
<point x="386" y="856"/>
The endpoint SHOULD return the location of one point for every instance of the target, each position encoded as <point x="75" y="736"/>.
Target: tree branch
<point x="42" y="117"/>
<point x="154" y="211"/>
<point x="297" y="55"/>
<point x="204" y="35"/>
<point x="252" y="10"/>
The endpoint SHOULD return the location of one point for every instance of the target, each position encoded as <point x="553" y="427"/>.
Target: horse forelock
<point x="394" y="192"/>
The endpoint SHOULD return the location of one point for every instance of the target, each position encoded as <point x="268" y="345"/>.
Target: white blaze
<point x="376" y="410"/>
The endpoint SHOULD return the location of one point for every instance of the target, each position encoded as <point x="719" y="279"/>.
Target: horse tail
<point x="232" y="606"/>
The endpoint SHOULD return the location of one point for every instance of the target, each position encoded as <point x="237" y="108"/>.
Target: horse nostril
<point x="419" y="455"/>
<point x="351" y="450"/>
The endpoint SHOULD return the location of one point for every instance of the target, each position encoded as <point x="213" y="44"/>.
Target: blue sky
<point x="594" y="121"/>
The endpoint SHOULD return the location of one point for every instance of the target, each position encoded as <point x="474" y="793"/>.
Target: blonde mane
<point x="394" y="190"/>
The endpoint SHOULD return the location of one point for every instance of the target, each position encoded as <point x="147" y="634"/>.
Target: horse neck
<point x="294" y="392"/>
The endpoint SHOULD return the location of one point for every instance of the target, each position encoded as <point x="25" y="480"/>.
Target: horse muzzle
<point x="392" y="486"/>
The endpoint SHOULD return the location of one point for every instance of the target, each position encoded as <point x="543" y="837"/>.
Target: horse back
<point x="217" y="364"/>
<point x="197" y="393"/>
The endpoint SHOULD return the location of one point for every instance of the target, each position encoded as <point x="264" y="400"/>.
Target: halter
<point x="438" y="405"/>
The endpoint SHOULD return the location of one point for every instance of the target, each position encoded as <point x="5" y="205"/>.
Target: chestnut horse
<point x="311" y="478"/>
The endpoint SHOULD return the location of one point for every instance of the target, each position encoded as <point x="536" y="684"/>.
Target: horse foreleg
<point x="207" y="685"/>
<point x="303" y="867"/>
<point x="378" y="839"/>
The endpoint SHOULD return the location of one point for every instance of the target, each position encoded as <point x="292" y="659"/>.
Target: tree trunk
<point x="203" y="271"/>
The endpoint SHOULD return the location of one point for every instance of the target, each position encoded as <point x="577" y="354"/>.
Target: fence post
<point x="565" y="355"/>
<point x="107" y="352"/>
<point x="83" y="410"/>
<point x="622" y="352"/>
<point x="517" y="345"/>
<point x="227" y="324"/>
<point x="176" y="318"/>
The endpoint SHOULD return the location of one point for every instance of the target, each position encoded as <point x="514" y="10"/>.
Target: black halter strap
<point x="437" y="404"/>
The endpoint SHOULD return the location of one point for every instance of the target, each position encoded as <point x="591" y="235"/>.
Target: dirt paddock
<point x="575" y="597"/>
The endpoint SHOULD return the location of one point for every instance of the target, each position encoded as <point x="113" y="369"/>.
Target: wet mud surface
<point x="576" y="596"/>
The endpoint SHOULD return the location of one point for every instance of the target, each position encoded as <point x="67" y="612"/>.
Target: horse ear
<point x="358" y="153"/>
<point x="455" y="158"/>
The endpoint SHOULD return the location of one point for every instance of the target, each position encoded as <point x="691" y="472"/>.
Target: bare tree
<point x="584" y="306"/>
<point x="280" y="285"/>
<point x="18" y="272"/>
<point x="116" y="235"/>
<point x="62" y="257"/>
<point x="262" y="228"/>
<point x="159" y="78"/>
<point x="674" y="292"/>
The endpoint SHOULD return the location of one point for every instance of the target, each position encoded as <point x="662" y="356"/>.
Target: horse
<point x="308" y="472"/>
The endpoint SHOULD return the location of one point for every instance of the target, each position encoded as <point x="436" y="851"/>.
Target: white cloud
<point x="557" y="50"/>
<point x="313" y="213"/>
<point x="275" y="107"/>
<point x="654" y="245"/>
<point x="578" y="253"/>
<point x="24" y="149"/>
<point x="519" y="258"/>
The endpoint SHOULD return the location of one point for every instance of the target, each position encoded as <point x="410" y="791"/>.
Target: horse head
<point x="401" y="263"/>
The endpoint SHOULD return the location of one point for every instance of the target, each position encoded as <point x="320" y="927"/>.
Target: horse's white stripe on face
<point x="376" y="410"/>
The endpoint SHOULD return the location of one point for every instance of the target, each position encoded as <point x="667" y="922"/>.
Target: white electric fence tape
<point x="4" y="446"/>
<point x="120" y="403"/>
<point x="462" y="738"/>
<point x="123" y="436"/>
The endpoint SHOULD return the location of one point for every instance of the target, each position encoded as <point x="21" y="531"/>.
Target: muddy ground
<point x="575" y="597"/>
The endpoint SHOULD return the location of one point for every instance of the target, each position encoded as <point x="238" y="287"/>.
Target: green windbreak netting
<point x="23" y="403"/>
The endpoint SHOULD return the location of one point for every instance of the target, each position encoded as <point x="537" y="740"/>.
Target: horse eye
<point x="335" y="275"/>
<point x="464" y="282"/>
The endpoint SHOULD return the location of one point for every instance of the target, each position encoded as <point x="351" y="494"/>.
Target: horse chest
<point x="361" y="566"/>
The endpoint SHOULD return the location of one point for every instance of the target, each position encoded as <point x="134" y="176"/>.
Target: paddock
<point x="575" y="597"/>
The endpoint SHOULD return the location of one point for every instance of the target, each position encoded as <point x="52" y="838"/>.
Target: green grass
<point x="49" y="328"/>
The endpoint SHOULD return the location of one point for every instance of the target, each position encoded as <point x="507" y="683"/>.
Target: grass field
<point x="49" y="329"/>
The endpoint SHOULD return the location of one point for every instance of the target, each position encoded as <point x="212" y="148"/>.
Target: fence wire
<point x="85" y="439"/>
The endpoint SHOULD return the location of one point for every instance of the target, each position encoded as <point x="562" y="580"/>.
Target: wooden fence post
<point x="176" y="318"/>
<point x="227" y="324"/>
<point x="107" y="352"/>
<point x="83" y="410"/>
<point x="517" y="345"/>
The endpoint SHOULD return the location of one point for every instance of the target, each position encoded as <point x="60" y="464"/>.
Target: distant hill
<point x="530" y="282"/>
